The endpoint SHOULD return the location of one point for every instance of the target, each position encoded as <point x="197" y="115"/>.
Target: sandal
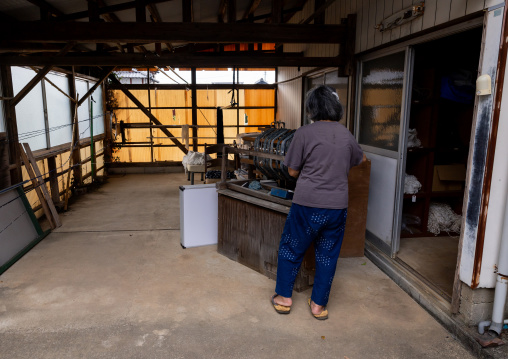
<point x="281" y="309"/>
<point x="321" y="316"/>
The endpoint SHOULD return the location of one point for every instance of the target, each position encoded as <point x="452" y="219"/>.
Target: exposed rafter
<point x="130" y="32"/>
<point x="110" y="9"/>
<point x="319" y="11"/>
<point x="6" y="18"/>
<point x="187" y="11"/>
<point x="289" y="16"/>
<point x="204" y="59"/>
<point x="277" y="6"/>
<point x="231" y="11"/>
<point x="222" y="11"/>
<point x="37" y="78"/>
<point x="254" y="4"/>
<point x="156" y="17"/>
<point x="47" y="7"/>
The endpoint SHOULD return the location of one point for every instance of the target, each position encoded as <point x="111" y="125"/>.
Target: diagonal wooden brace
<point x="152" y="118"/>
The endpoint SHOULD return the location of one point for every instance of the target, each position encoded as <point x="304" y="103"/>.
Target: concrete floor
<point x="435" y="258"/>
<point x="113" y="282"/>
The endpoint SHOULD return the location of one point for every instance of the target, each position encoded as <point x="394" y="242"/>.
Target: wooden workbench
<point x="250" y="228"/>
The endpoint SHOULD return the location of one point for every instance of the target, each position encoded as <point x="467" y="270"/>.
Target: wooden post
<point x="11" y="125"/>
<point x="71" y="160"/>
<point x="194" y="110"/>
<point x="40" y="180"/>
<point x="53" y="179"/>
<point x="38" y="187"/>
<point x="75" y="147"/>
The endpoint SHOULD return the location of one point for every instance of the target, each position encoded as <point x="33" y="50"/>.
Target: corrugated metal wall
<point x="369" y="13"/>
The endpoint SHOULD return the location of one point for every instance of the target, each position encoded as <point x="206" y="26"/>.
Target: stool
<point x="191" y="169"/>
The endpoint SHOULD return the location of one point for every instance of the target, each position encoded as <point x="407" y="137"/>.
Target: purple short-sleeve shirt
<point x="323" y="152"/>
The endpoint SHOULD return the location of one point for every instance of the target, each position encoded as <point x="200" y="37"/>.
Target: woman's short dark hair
<point x="323" y="104"/>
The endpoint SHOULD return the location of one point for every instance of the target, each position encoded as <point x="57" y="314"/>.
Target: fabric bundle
<point x="443" y="219"/>
<point x="412" y="138"/>
<point x="411" y="184"/>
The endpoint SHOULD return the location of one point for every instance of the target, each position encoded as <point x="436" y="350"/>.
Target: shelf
<point x="418" y="195"/>
<point x="438" y="194"/>
<point x="420" y="150"/>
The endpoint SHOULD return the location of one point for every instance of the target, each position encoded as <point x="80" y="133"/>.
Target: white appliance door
<point x="198" y="215"/>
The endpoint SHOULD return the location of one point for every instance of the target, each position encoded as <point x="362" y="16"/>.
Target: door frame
<point x="399" y="155"/>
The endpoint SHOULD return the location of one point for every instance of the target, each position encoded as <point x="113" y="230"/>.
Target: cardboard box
<point x="448" y="178"/>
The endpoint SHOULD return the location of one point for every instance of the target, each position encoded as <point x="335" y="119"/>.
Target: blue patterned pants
<point x="305" y="225"/>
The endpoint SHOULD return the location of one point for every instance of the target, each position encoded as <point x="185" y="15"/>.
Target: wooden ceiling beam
<point x="222" y="11"/>
<point x="140" y="11"/>
<point x="285" y="13"/>
<point x="187" y="11"/>
<point x="156" y="17"/>
<point x="288" y="17"/>
<point x="111" y="17"/>
<point x="319" y="12"/>
<point x="277" y="6"/>
<point x="231" y="11"/>
<point x="6" y="18"/>
<point x="47" y="7"/>
<point x="110" y="9"/>
<point x="254" y="4"/>
<point x="132" y="32"/>
<point x="37" y="78"/>
<point x="206" y="59"/>
<point x="97" y="84"/>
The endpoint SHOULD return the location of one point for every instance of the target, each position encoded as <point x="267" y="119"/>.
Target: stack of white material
<point x="443" y="218"/>
<point x="194" y="158"/>
<point x="411" y="184"/>
<point x="412" y="138"/>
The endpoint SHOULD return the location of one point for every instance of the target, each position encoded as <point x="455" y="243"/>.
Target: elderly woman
<point x="320" y="156"/>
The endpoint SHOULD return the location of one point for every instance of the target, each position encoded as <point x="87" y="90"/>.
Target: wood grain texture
<point x="474" y="6"/>
<point x="359" y="26"/>
<point x="250" y="228"/>
<point x="397" y="6"/>
<point x="380" y="10"/>
<point x="443" y="11"/>
<point x="429" y="16"/>
<point x="458" y="8"/>
<point x="388" y="10"/>
<point x="371" y="31"/>
<point x="405" y="29"/>
<point x="365" y="24"/>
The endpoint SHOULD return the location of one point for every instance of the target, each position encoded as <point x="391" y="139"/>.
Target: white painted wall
<point x="369" y="14"/>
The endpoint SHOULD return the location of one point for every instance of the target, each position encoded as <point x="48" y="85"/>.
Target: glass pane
<point x="257" y="76"/>
<point x="59" y="110"/>
<point x="381" y="98"/>
<point x="340" y="84"/>
<point x="98" y="111"/>
<point x="83" y="110"/>
<point x="30" y="110"/>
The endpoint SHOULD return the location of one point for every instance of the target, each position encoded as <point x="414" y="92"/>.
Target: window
<point x="329" y="78"/>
